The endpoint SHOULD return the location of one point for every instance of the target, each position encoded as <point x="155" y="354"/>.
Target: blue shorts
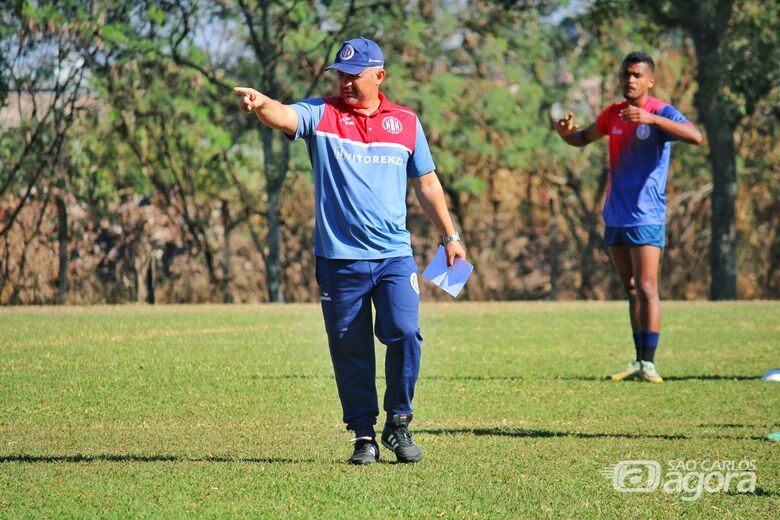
<point x="635" y="236"/>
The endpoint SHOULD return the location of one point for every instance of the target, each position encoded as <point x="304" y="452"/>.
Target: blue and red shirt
<point x="361" y="165"/>
<point x="638" y="165"/>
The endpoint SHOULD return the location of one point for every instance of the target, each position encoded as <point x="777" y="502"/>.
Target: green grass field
<point x="232" y="411"/>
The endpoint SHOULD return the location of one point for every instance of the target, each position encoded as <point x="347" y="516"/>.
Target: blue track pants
<point x="347" y="290"/>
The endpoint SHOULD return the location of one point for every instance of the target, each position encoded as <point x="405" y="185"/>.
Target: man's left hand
<point x="454" y="250"/>
<point x="634" y="114"/>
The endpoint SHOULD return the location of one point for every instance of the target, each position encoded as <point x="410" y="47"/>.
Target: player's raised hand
<point x="634" y="114"/>
<point x="566" y="125"/>
<point x="251" y="99"/>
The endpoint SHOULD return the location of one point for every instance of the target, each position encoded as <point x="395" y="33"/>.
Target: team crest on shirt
<point x="392" y="125"/>
<point x="643" y="132"/>
<point x="415" y="283"/>
<point x="347" y="52"/>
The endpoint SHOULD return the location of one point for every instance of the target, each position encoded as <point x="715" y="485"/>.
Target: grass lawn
<point x="232" y="411"/>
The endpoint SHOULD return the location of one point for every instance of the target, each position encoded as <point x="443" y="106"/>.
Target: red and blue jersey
<point x="638" y="165"/>
<point x="361" y="165"/>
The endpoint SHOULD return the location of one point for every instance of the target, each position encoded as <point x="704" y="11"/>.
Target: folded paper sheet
<point x="451" y="280"/>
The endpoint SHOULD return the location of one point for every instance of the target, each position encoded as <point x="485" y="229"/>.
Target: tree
<point x="281" y="49"/>
<point x="738" y="57"/>
<point x="43" y="68"/>
<point x="478" y="76"/>
<point x="171" y="126"/>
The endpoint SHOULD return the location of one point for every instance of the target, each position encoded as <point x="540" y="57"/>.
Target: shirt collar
<point x="385" y="105"/>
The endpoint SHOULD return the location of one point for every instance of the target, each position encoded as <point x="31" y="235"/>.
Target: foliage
<point x="169" y="189"/>
<point x="737" y="53"/>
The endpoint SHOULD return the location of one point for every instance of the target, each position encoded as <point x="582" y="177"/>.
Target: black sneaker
<point x="396" y="437"/>
<point x="366" y="451"/>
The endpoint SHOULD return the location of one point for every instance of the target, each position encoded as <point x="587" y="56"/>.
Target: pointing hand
<point x="251" y="99"/>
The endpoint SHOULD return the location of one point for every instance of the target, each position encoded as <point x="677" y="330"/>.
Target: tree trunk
<point x="227" y="297"/>
<point x="723" y="248"/>
<point x="62" y="236"/>
<point x="150" y="275"/>
<point x="273" y="266"/>
<point x="714" y="111"/>
<point x="554" y="250"/>
<point x="139" y="282"/>
<point x="275" y="169"/>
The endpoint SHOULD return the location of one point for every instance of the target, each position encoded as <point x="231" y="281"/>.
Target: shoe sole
<point x="399" y="458"/>
<point x="620" y="377"/>
<point x="362" y="462"/>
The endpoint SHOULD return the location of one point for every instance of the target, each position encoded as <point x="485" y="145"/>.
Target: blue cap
<point x="356" y="55"/>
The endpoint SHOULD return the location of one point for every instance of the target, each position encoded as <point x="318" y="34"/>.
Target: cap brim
<point x="347" y="68"/>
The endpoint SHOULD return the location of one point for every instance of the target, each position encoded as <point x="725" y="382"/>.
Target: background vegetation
<point x="127" y="172"/>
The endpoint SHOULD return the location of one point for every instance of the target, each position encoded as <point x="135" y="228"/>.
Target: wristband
<point x="450" y="238"/>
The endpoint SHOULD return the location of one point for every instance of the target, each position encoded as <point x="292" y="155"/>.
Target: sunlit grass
<point x="232" y="410"/>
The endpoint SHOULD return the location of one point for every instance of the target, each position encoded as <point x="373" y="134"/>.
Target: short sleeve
<point x="310" y="113"/>
<point x="421" y="161"/>
<point x="604" y="121"/>
<point x="669" y="112"/>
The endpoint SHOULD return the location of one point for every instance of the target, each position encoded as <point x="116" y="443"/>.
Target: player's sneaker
<point x="632" y="371"/>
<point x="366" y="451"/>
<point x="649" y="373"/>
<point x="396" y="437"/>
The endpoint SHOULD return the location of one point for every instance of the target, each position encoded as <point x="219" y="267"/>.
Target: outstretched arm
<point x="570" y="132"/>
<point x="269" y="111"/>
<point x="431" y="196"/>
<point x="685" y="132"/>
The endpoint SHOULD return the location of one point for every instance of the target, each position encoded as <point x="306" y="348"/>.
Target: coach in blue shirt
<point x="363" y="148"/>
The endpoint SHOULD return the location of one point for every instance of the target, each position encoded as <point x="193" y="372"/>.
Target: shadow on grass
<point x="294" y="377"/>
<point x="706" y="377"/>
<point x="759" y="492"/>
<point x="735" y="425"/>
<point x="146" y="458"/>
<point x="472" y="378"/>
<point x="542" y="434"/>
<point x="271" y="377"/>
<point x="712" y="377"/>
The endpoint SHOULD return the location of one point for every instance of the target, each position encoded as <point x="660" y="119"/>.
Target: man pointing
<point x="362" y="149"/>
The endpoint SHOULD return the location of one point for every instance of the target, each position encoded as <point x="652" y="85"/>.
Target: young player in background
<point x="640" y="131"/>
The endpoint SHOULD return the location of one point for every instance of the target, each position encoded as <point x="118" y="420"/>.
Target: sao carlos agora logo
<point x="392" y="125"/>
<point x="347" y="52"/>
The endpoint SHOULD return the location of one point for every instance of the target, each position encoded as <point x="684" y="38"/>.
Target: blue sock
<point x="638" y="345"/>
<point x="649" y="342"/>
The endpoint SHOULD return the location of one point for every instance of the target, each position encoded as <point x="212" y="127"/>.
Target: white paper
<point x="451" y="280"/>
